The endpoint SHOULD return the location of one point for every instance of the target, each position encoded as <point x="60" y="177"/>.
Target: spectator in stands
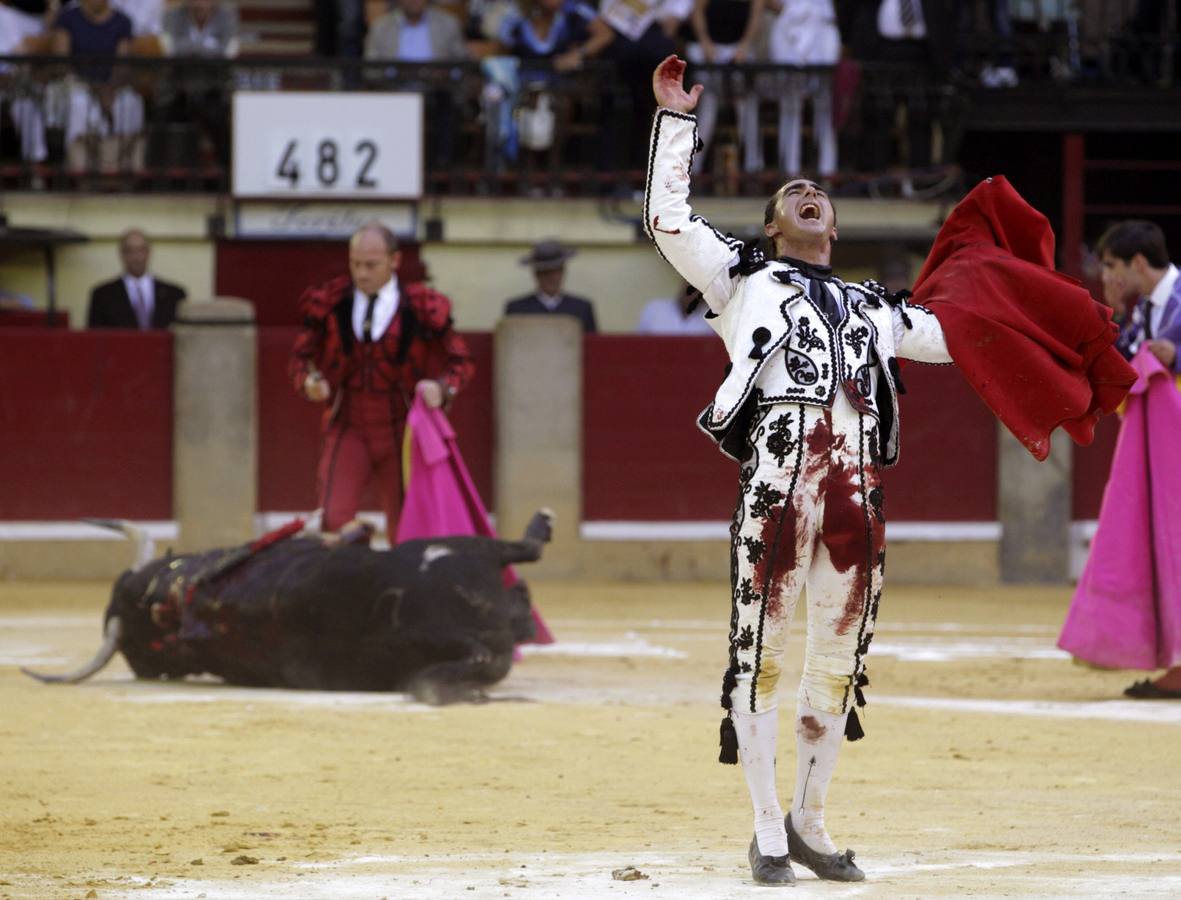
<point x="566" y="31"/>
<point x="642" y="35"/>
<point x="100" y="104"/>
<point x="1136" y="263"/>
<point x="683" y="315"/>
<point x="147" y="25"/>
<point x="208" y="29"/>
<point x="414" y="31"/>
<point x="205" y="28"/>
<point x="1000" y="70"/>
<point x="804" y="34"/>
<point x="914" y="37"/>
<point x="723" y="34"/>
<point x="22" y="30"/>
<point x="136" y="299"/>
<point x="548" y="261"/>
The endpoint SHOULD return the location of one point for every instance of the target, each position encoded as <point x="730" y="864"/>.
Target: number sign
<point x="333" y="146"/>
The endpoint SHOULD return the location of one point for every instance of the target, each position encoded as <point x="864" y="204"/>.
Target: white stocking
<point x="818" y="741"/>
<point x="757" y="736"/>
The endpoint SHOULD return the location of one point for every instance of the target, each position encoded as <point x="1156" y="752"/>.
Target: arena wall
<point x="89" y="417"/>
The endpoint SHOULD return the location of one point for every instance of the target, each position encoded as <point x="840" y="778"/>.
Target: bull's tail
<point x="145" y="547"/>
<point x="538" y="533"/>
<point x="105" y="653"/>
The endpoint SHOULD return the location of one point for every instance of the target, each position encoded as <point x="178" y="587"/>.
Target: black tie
<point x="1147" y="319"/>
<point x="907" y="13"/>
<point x="367" y="325"/>
<point x="824" y="300"/>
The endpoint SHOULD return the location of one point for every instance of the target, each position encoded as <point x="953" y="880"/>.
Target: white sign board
<point x="321" y="218"/>
<point x="327" y="145"/>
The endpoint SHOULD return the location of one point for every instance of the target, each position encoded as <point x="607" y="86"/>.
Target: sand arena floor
<point x="993" y="766"/>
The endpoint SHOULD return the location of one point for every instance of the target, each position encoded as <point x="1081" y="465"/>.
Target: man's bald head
<point x="134" y="252"/>
<point x="373" y="257"/>
<point x="376" y="231"/>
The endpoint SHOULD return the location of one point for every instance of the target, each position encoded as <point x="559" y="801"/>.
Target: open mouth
<point x="810" y="210"/>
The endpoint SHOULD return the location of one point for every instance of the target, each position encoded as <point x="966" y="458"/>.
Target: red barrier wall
<point x="645" y="460"/>
<point x="87" y="424"/>
<point x="289" y="427"/>
<point x="274" y="274"/>
<point x="1092" y="464"/>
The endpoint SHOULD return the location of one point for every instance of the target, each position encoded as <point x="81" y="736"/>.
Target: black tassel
<point x="853" y="729"/>
<point x="896" y="373"/>
<point x="860" y="697"/>
<point x="729" y="682"/>
<point x="729" y="742"/>
<point x="863" y="679"/>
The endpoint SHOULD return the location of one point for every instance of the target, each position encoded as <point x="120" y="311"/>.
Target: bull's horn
<point x="105" y="652"/>
<point x="145" y="547"/>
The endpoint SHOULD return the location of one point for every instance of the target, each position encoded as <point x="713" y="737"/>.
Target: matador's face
<point x="802" y="214"/>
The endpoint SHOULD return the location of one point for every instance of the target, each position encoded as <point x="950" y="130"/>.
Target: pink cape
<point x="1126" y="612"/>
<point x="441" y="499"/>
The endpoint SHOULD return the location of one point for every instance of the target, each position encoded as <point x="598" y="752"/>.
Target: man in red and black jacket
<point x="368" y="344"/>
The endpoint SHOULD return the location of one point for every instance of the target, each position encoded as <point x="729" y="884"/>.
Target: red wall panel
<point x="274" y="274"/>
<point x="948" y="467"/>
<point x="87" y="424"/>
<point x="645" y="460"/>
<point x="1090" y="470"/>
<point x="643" y="457"/>
<point x="289" y="427"/>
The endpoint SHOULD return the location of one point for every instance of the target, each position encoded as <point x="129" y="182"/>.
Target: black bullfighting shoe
<point x="769" y="870"/>
<point x="826" y="866"/>
<point x="1150" y="690"/>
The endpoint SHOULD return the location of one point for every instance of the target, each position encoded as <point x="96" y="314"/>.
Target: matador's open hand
<point x="669" y="88"/>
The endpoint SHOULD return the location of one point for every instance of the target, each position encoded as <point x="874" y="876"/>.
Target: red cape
<point x="1032" y="342"/>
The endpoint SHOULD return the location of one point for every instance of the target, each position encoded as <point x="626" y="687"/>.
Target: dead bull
<point x="431" y="617"/>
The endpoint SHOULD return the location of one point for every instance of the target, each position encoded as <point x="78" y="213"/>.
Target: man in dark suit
<point x="548" y="260"/>
<point x="136" y="299"/>
<point x="915" y="40"/>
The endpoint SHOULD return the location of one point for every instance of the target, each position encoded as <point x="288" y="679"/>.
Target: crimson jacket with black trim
<point x="419" y="343"/>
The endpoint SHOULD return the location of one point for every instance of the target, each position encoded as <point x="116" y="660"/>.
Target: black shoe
<point x="826" y="866"/>
<point x="1149" y="690"/>
<point x="771" y="870"/>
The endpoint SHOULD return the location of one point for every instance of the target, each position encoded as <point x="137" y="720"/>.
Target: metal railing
<point x="503" y="127"/>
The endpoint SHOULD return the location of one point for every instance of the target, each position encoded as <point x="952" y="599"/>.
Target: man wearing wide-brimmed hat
<point x="548" y="260"/>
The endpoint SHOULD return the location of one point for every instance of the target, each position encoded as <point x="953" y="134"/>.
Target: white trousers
<point x="746" y="103"/>
<point x="809" y="518"/>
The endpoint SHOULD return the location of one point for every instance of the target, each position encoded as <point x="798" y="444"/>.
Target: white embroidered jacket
<point x="782" y="348"/>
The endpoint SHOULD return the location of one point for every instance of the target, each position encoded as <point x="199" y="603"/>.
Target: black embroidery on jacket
<point x="856" y="338"/>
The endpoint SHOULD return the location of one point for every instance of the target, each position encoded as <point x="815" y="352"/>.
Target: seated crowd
<point x="856" y="64"/>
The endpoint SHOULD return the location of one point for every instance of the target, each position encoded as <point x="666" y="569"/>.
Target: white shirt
<point x="549" y="301"/>
<point x="1160" y="297"/>
<point x="141" y="290"/>
<point x="414" y="42"/>
<point x="664" y="316"/>
<point x="147" y="16"/>
<point x="383" y="311"/>
<point x="890" y="21"/>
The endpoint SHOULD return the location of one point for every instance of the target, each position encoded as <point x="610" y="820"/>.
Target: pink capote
<point x="1126" y="612"/>
<point x="441" y="499"/>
